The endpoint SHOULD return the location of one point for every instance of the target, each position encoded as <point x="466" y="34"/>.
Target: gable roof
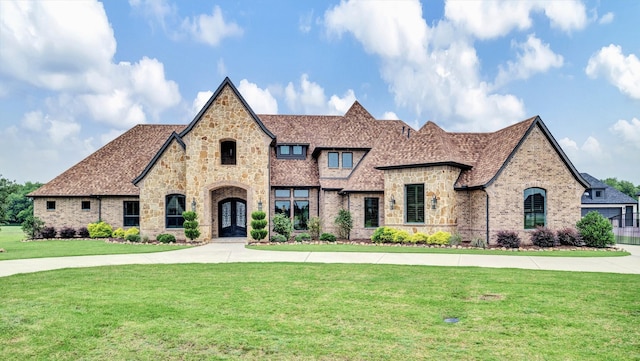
<point x="611" y="194"/>
<point x="110" y="169"/>
<point x="173" y="137"/>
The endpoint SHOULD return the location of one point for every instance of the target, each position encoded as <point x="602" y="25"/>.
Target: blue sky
<point x="76" y="74"/>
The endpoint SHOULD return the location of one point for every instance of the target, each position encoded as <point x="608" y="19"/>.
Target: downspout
<point x="485" y="192"/>
<point x="99" y="208"/>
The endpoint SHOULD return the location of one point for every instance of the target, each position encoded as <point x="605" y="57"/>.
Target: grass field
<point x="318" y="312"/>
<point x="391" y="249"/>
<point x="11" y="237"/>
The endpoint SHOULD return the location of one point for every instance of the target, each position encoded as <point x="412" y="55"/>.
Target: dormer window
<point x="598" y="194"/>
<point x="292" y="151"/>
<point x="228" y="152"/>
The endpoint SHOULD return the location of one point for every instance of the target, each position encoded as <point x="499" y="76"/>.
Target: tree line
<point x="623" y="186"/>
<point x="15" y="206"/>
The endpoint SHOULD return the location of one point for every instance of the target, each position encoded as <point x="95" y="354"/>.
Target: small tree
<point x="190" y="224"/>
<point x="315" y="227"/>
<point x="258" y="225"/>
<point x="344" y="221"/>
<point x="282" y="225"/>
<point x="595" y="230"/>
<point x="32" y="226"/>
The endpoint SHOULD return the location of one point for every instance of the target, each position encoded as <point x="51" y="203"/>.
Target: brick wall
<point x="323" y="164"/>
<point x="472" y="214"/>
<point x="356" y="206"/>
<point x="69" y="213"/>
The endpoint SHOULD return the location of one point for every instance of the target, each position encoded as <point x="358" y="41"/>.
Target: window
<point x="414" y="200"/>
<point x="285" y="150"/>
<point x="292" y="151"/>
<point x="131" y="214"/>
<point x="51" y="205"/>
<point x="85" y="205"/>
<point x="283" y="193"/>
<point x="175" y="207"/>
<point x="333" y="160"/>
<point x="300" y="214"/>
<point x="228" y="152"/>
<point x="347" y="160"/>
<point x="371" y="212"/>
<point x="598" y="194"/>
<point x="534" y="207"/>
<point x="301" y="193"/>
<point x="297" y="150"/>
<point x="283" y="207"/>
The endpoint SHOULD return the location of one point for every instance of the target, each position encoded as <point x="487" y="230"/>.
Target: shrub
<point x="569" y="237"/>
<point x="282" y="225"/>
<point x="543" y="237"/>
<point x="118" y="233"/>
<point x="278" y="238"/>
<point x="99" y="230"/>
<point x="315" y="227"/>
<point x="440" y="238"/>
<point x="303" y="237"/>
<point x="48" y="232"/>
<point x="595" y="230"/>
<point x="145" y="239"/>
<point x="419" y="237"/>
<point x="327" y="237"/>
<point x="478" y="242"/>
<point x="455" y="239"/>
<point x="132" y="238"/>
<point x="83" y="232"/>
<point x="508" y="239"/>
<point x="190" y="225"/>
<point x="344" y="221"/>
<point x="32" y="226"/>
<point x="401" y="236"/>
<point x="383" y="235"/>
<point x="258" y="225"/>
<point x="166" y="238"/>
<point x="131" y="231"/>
<point x="67" y="232"/>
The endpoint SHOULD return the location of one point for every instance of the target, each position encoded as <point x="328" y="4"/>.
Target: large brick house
<point x="229" y="162"/>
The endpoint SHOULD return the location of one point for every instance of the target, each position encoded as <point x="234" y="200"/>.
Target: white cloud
<point x="211" y="29"/>
<point x="533" y="57"/>
<point x="157" y="10"/>
<point x="629" y="131"/>
<point x="33" y="121"/>
<point x="606" y="18"/>
<point x="623" y="72"/>
<point x="491" y="19"/>
<point x="110" y="135"/>
<point x="61" y="131"/>
<point x="260" y="100"/>
<point x="309" y="98"/>
<point x="305" y="21"/>
<point x="201" y="99"/>
<point x="151" y="87"/>
<point x="116" y="108"/>
<point x="389" y="116"/>
<point x="221" y="67"/>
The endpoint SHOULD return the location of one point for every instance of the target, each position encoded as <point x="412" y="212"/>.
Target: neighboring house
<point x="229" y="162"/>
<point x="609" y="202"/>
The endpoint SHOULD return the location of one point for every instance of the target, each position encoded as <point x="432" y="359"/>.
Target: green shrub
<point x="327" y="237"/>
<point x="131" y="231"/>
<point x="595" y="230"/>
<point x="344" y="221"/>
<point x="315" y="227"/>
<point x="419" y="237"/>
<point x="258" y="225"/>
<point x="166" y="238"/>
<point x="383" y="235"/>
<point x="508" y="239"/>
<point x="190" y="225"/>
<point x="455" y="239"/>
<point x="118" y="233"/>
<point x="440" y="238"/>
<point x="479" y="242"/>
<point x="132" y="238"/>
<point x="543" y="237"/>
<point x="145" y="239"/>
<point x="569" y="237"/>
<point x="303" y="237"/>
<point x="67" y="232"/>
<point x="278" y="238"/>
<point x="401" y="236"/>
<point x="282" y="225"/>
<point x="32" y="226"/>
<point x="99" y="230"/>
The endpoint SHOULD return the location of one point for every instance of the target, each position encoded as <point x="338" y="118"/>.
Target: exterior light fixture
<point x="392" y="203"/>
<point x="434" y="202"/>
<point x="260" y="205"/>
<point x="193" y="204"/>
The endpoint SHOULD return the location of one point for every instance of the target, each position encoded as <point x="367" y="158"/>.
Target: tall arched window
<point x="228" y="152"/>
<point x="174" y="208"/>
<point x="535" y="207"/>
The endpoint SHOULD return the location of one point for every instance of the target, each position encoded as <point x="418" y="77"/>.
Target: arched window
<point x="174" y="208"/>
<point x="535" y="207"/>
<point x="228" y="152"/>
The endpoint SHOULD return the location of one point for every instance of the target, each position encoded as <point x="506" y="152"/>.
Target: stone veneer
<point x="438" y="181"/>
<point x="535" y="164"/>
<point x="69" y="212"/>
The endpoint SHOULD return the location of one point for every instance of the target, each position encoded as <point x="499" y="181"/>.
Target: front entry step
<point x="229" y="240"/>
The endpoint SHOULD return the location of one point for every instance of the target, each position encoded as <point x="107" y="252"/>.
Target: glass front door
<point x="232" y="218"/>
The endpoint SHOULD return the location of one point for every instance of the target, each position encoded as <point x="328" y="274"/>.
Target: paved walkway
<point x="236" y="252"/>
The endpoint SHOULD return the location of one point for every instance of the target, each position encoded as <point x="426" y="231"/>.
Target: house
<point x="229" y="162"/>
<point x="609" y="202"/>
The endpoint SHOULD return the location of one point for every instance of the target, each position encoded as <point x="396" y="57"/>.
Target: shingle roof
<point x="611" y="195"/>
<point x="110" y="170"/>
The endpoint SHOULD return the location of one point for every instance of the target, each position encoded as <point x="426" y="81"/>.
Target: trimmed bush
<point x="595" y="230"/>
<point x="440" y="238"/>
<point x="118" y="233"/>
<point x="190" y="225"/>
<point x="344" y="221"/>
<point x="508" y="239"/>
<point x="303" y="237"/>
<point x="83" y="232"/>
<point x="278" y="238"/>
<point x="282" y="225"/>
<point x="48" y="232"/>
<point x="327" y="237"/>
<point x="258" y="225"/>
<point x="419" y="238"/>
<point x="383" y="235"/>
<point x="67" y="232"/>
<point x="569" y="237"/>
<point x="132" y="238"/>
<point x="166" y="238"/>
<point x="99" y="230"/>
<point x="543" y="237"/>
<point x="131" y="231"/>
<point x="401" y="236"/>
<point x="479" y="242"/>
<point x="315" y="227"/>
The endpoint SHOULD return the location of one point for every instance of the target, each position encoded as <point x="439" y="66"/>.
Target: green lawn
<point x="11" y="237"/>
<point x="318" y="312"/>
<point x="392" y="249"/>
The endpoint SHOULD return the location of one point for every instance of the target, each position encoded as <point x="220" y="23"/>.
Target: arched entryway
<point x="232" y="217"/>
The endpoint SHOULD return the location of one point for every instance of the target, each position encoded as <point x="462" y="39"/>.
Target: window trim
<point x="337" y="155"/>
<point x="87" y="204"/>
<point x="228" y="145"/>
<point x="167" y="216"/>
<point x="416" y="205"/>
<point x="531" y="192"/>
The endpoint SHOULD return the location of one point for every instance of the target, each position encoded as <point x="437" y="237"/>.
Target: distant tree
<point x="7" y="187"/>
<point x="623" y="186"/>
<point x="18" y="205"/>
